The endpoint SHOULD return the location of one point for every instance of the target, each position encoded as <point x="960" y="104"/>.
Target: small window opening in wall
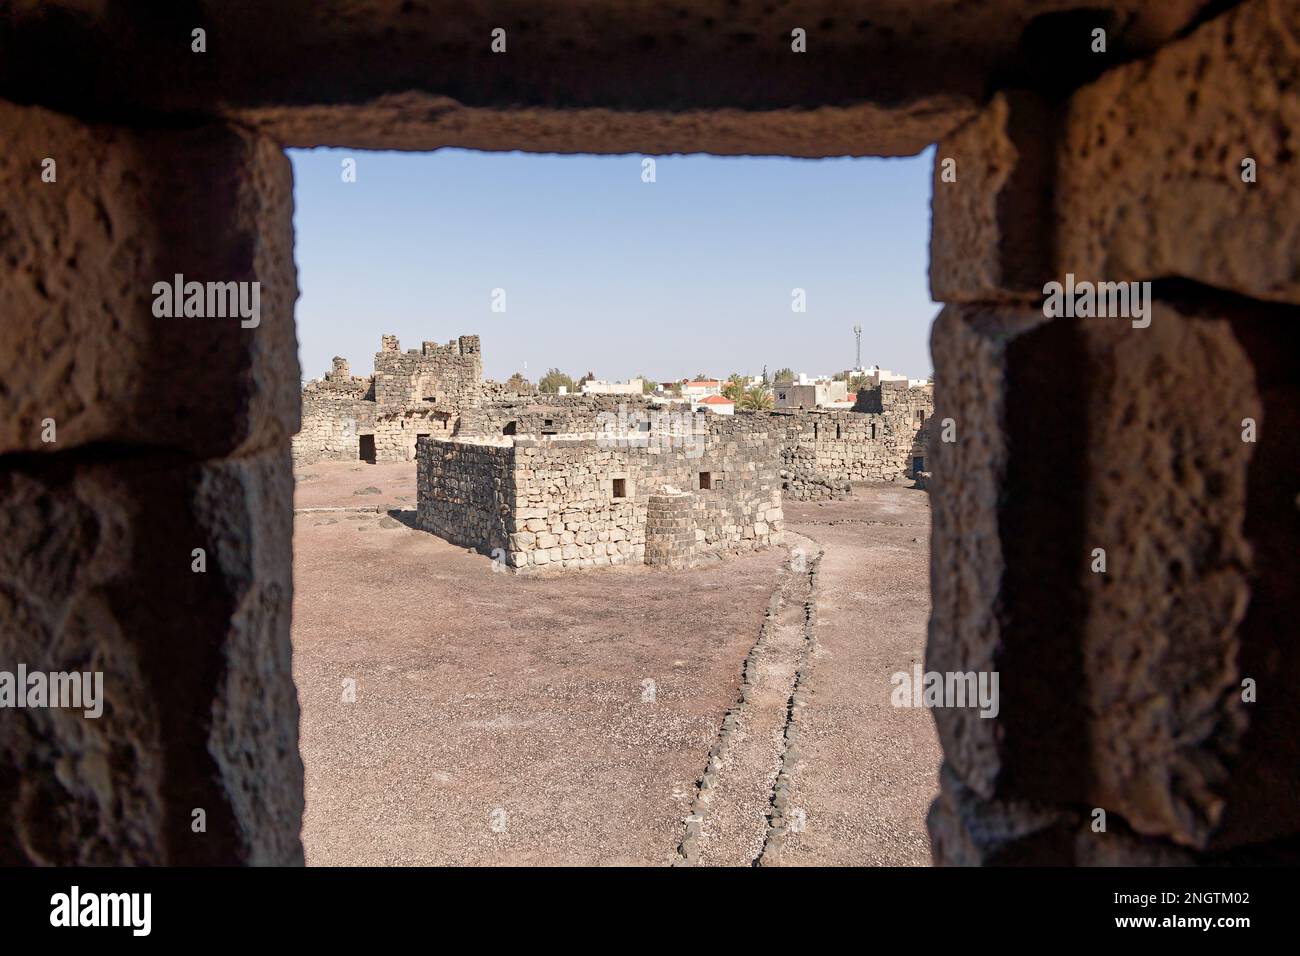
<point x="920" y="417"/>
<point x="366" y="448"/>
<point x="837" y="430"/>
<point x="509" y="428"/>
<point x="548" y="426"/>
<point x="873" y="431"/>
<point x="620" y="487"/>
<point x="781" y="396"/>
<point x="706" y="480"/>
<point x="817" y="430"/>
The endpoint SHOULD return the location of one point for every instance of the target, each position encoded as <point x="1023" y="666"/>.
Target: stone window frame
<point x="629" y="486"/>
<point x="982" y="336"/>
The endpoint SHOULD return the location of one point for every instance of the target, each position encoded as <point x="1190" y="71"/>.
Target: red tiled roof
<point x="716" y="400"/>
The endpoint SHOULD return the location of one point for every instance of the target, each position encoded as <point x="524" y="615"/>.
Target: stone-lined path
<point x="813" y="764"/>
<point x="868" y="770"/>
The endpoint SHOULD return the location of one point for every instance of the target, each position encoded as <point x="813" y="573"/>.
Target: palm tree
<point x="734" y="388"/>
<point x="756" y="399"/>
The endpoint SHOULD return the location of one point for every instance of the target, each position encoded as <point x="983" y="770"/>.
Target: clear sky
<point x="606" y="273"/>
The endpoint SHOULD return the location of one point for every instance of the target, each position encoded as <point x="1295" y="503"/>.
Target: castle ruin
<point x="578" y="481"/>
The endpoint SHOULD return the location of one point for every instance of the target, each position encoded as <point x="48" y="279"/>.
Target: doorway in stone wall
<point x="493" y="708"/>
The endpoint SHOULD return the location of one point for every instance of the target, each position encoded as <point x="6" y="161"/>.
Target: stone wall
<point x="332" y="421"/>
<point x="669" y="530"/>
<point x="574" y="416"/>
<point x="448" y="375"/>
<point x="411" y="394"/>
<point x="1120" y="692"/>
<point x="823" y="452"/>
<point x="172" y="435"/>
<point x="464" y="492"/>
<point x="1168" y="450"/>
<point x="397" y="429"/>
<point x="579" y="503"/>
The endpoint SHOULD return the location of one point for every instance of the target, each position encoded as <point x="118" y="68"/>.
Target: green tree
<point x="552" y="380"/>
<point x="857" y="383"/>
<point x="783" y="375"/>
<point x="520" y="385"/>
<point x="647" y="385"/>
<point x="756" y="399"/>
<point x="734" y="388"/>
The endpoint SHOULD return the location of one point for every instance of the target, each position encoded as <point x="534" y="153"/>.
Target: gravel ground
<point x="869" y="771"/>
<point x="501" y="719"/>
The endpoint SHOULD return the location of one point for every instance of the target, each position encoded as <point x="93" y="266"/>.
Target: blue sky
<point x="606" y="273"/>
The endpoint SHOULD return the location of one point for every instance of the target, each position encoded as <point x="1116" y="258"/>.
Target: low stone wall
<point x="398" y="428"/>
<point x="825" y="450"/>
<point x="463" y="492"/>
<point x="331" y="424"/>
<point x="580" y="503"/>
<point x="813" y="486"/>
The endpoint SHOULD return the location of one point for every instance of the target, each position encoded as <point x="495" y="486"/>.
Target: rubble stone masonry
<point x="882" y="439"/>
<point x="581" y="503"/>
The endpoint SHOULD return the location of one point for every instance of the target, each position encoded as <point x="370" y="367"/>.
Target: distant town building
<point x="718" y="404"/>
<point x="694" y="390"/>
<point x="633" y="386"/>
<point x="810" y="394"/>
<point x="877" y="375"/>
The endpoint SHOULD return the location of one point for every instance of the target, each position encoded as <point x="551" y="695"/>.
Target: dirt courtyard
<point x="453" y="714"/>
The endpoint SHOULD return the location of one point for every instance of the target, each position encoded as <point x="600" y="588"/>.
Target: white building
<point x="878" y="375"/>
<point x="717" y="404"/>
<point x="633" y="386"/>
<point x="703" y="389"/>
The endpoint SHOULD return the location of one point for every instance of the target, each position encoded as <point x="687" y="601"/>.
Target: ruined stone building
<point x="1072" y="434"/>
<point x="577" y="481"/>
<point x="380" y="417"/>
<point x="885" y="437"/>
<point x="607" y="496"/>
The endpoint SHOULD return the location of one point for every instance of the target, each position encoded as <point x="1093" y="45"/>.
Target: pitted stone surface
<point x="81" y="342"/>
<point x="96" y="569"/>
<point x="881" y="77"/>
<point x="1151" y="165"/>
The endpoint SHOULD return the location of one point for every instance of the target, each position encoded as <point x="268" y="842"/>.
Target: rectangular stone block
<point x="992" y="205"/>
<point x="1093" y="544"/>
<point x="174" y="580"/>
<point x="1151" y="165"/>
<point x="126" y="209"/>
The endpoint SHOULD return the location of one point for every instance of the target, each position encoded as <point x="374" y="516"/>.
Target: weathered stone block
<point x="1150" y="181"/>
<point x="129" y="209"/>
<point x="1120" y="689"/>
<point x="97" y="573"/>
<point x="992" y="204"/>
